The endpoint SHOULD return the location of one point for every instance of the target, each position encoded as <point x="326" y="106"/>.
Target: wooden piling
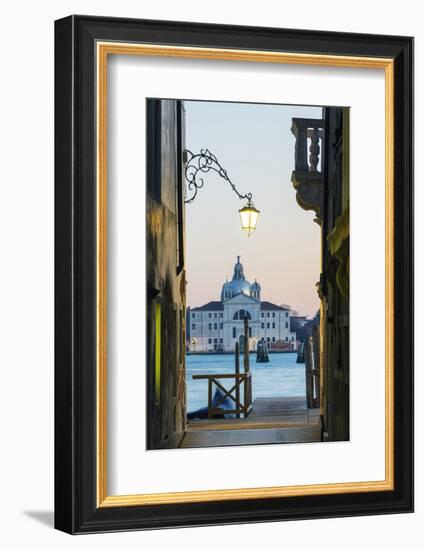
<point x="246" y="345"/>
<point x="261" y="352"/>
<point x="237" y="371"/>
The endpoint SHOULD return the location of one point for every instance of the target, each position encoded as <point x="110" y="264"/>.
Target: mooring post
<point x="246" y="345"/>
<point x="261" y="352"/>
<point x="237" y="371"/>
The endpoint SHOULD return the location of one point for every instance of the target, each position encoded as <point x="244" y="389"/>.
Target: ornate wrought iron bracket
<point x="202" y="163"/>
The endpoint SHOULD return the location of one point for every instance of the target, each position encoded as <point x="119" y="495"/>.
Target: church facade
<point x="218" y="325"/>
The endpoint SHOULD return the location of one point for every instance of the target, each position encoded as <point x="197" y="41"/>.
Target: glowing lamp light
<point x="249" y="218"/>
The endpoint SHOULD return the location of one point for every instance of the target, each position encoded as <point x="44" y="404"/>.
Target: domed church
<point x="218" y="325"/>
<point x="239" y="285"/>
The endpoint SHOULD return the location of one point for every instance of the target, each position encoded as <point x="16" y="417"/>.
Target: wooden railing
<point x="241" y="405"/>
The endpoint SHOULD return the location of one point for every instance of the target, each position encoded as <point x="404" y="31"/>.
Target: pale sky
<point x="253" y="142"/>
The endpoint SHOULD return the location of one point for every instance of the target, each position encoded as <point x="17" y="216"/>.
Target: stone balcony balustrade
<point x="306" y="178"/>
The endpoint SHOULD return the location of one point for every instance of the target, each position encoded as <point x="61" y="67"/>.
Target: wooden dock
<point x="272" y="420"/>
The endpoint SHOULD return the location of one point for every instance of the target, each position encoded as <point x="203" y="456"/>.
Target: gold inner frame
<point x="104" y="49"/>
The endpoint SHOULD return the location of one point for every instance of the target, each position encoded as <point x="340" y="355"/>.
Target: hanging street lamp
<point x="249" y="217"/>
<point x="204" y="162"/>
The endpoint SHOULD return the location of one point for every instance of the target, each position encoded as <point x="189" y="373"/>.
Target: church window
<point x="287" y="339"/>
<point x="267" y="325"/>
<point x="268" y="339"/>
<point x="193" y="315"/>
<point x="273" y="338"/>
<point x="215" y="315"/>
<point x="209" y="340"/>
<point x="273" y="313"/>
<point x="241" y="314"/>
<point x="262" y="325"/>
<point x="262" y="314"/>
<point x="273" y="325"/>
<point x="193" y="326"/>
<point x="221" y="325"/>
<point x="209" y="315"/>
<point x="210" y="326"/>
<point x="287" y="325"/>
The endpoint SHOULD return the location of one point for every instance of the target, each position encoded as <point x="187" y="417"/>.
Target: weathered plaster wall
<point x="166" y="285"/>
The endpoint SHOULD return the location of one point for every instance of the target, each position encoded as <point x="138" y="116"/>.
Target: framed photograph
<point x="234" y="274"/>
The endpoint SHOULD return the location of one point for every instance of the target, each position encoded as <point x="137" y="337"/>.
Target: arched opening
<point x="241" y="342"/>
<point x="241" y="314"/>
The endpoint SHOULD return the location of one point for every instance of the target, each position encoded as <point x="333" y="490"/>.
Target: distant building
<point x="297" y="322"/>
<point x="218" y="325"/>
<point x="303" y="326"/>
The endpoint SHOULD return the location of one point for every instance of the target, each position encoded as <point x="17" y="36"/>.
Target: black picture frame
<point x="76" y="509"/>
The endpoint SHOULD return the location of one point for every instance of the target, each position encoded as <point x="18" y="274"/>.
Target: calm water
<point x="281" y="377"/>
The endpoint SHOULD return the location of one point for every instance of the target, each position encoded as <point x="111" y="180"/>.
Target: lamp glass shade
<point x="249" y="218"/>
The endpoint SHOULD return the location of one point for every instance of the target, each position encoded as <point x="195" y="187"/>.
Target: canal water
<point x="281" y="377"/>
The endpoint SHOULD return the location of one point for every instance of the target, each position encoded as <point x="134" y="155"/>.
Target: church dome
<point x="255" y="290"/>
<point x="226" y="291"/>
<point x="256" y="286"/>
<point x="237" y="285"/>
<point x="238" y="270"/>
<point x="240" y="286"/>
